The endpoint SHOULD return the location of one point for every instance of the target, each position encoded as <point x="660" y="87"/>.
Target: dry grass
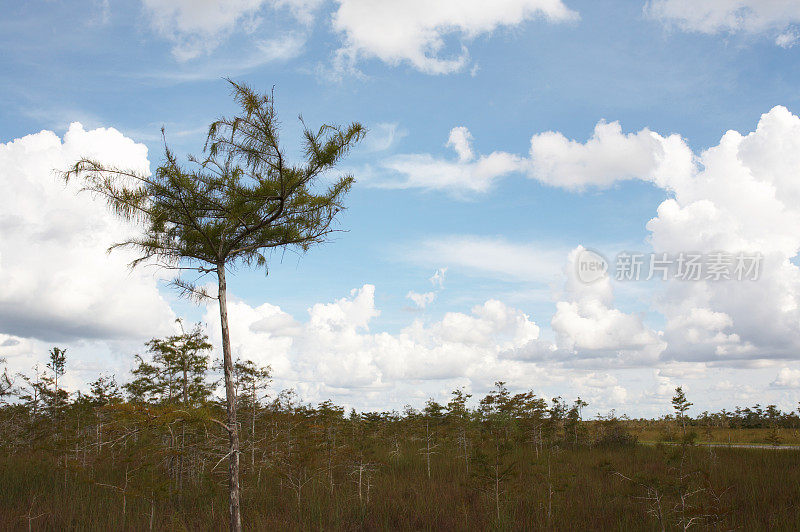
<point x="586" y="488"/>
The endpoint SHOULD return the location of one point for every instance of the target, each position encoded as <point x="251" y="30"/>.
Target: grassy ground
<point x="655" y="433"/>
<point x="633" y="488"/>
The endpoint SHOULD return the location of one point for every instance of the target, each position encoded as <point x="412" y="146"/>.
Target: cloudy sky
<point x="505" y="139"/>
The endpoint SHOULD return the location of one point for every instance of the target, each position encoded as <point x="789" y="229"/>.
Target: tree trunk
<point x="185" y="384"/>
<point x="253" y="428"/>
<point x="230" y="396"/>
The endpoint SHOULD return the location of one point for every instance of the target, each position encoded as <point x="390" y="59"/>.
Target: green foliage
<point x="6" y="384"/>
<point x="240" y="198"/>
<point x="176" y="370"/>
<point x="681" y="405"/>
<point x="104" y="391"/>
<point x="231" y="206"/>
<point x="610" y="432"/>
<point x="774" y="438"/>
<point x="58" y="366"/>
<point x="679" y="402"/>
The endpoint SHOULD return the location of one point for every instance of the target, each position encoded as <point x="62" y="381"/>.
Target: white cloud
<point x="421" y="300"/>
<point x="787" y="378"/>
<point x="491" y="256"/>
<point x="198" y="27"/>
<point x="415" y="31"/>
<point x="56" y="279"/>
<point x="260" y="52"/>
<point x="383" y="136"/>
<point x="437" y="279"/>
<point x="745" y="198"/>
<point x="465" y="175"/>
<point x="683" y="370"/>
<point x="739" y="196"/>
<point x="608" y="156"/>
<point x="769" y="17"/>
<point x="587" y="323"/>
<point x="461" y="141"/>
<point x="787" y="39"/>
<point x="103" y="15"/>
<point x="303" y="10"/>
<point x="334" y="348"/>
<point x="337" y="352"/>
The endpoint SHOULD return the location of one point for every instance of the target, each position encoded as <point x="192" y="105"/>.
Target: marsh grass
<point x="586" y="488"/>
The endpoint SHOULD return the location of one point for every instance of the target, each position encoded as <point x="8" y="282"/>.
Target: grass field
<point x="720" y="435"/>
<point x="627" y="488"/>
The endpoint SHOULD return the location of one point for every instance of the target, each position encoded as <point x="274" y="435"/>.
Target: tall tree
<point x="229" y="207"/>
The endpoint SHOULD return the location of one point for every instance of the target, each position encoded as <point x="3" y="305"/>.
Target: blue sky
<point x="501" y="218"/>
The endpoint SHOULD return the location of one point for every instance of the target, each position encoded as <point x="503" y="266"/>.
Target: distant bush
<point x="689" y="438"/>
<point x="612" y="433"/>
<point x="773" y="438"/>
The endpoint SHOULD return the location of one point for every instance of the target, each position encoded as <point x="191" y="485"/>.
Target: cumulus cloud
<point x="338" y="351"/>
<point x="738" y="196"/>
<point x="196" y="28"/>
<point x="588" y="325"/>
<point x="771" y="17"/>
<point x="334" y="349"/>
<point x="787" y="378"/>
<point x="744" y="197"/>
<point x="683" y="370"/>
<point x="56" y="279"/>
<point x="416" y="32"/>
<point x="468" y="174"/>
<point x="607" y="157"/>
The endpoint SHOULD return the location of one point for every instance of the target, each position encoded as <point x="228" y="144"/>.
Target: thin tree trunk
<point x="230" y="395"/>
<point x="152" y="510"/>
<point x="428" y="448"/>
<point x="253" y="428"/>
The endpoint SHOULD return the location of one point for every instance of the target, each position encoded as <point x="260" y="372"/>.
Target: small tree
<point x="58" y="365"/>
<point x="251" y="383"/>
<point x="681" y="406"/>
<point x="432" y="416"/>
<point x="33" y="395"/>
<point x="6" y="384"/>
<point x="574" y="418"/>
<point x="175" y="372"/>
<point x="458" y="414"/>
<point x="238" y="201"/>
<point x="104" y="391"/>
